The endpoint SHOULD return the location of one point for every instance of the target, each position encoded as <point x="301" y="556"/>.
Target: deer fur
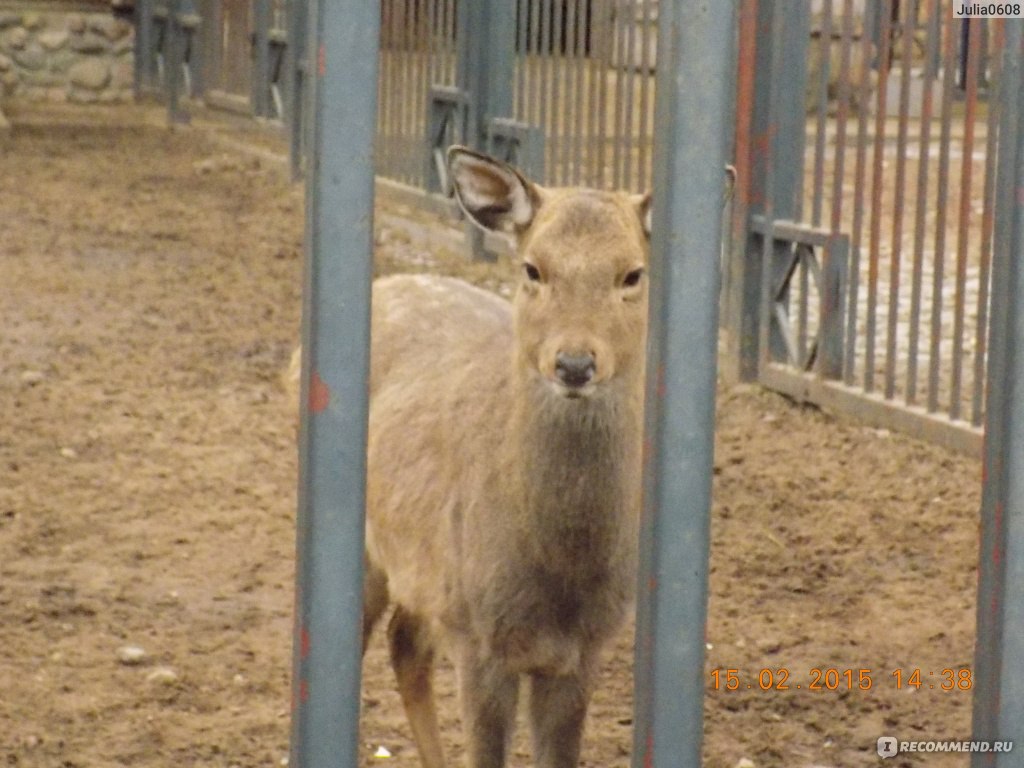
<point x="504" y="464"/>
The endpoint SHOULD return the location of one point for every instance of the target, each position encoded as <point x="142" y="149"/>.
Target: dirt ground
<point x="149" y="298"/>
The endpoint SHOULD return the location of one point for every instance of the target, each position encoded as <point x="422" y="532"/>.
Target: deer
<point x="504" y="463"/>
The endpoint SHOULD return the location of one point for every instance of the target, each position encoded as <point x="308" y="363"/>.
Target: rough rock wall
<point x="59" y="55"/>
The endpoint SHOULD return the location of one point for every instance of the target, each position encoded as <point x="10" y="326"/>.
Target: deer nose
<point x="574" y="370"/>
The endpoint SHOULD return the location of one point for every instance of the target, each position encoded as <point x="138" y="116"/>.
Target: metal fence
<point x="230" y="54"/>
<point x="570" y="96"/>
<point x="868" y="166"/>
<point x="866" y="144"/>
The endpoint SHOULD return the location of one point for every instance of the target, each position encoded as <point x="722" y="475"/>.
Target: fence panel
<point x="899" y="153"/>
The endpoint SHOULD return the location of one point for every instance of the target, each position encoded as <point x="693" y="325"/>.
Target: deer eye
<point x="532" y="273"/>
<point x="632" y="278"/>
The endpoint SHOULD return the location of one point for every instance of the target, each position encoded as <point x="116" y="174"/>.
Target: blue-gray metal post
<point x="297" y="67"/>
<point x="486" y="67"/>
<point x="696" y="45"/>
<point x="998" y="683"/>
<point x="174" y="62"/>
<point x="261" y="59"/>
<point x="336" y="343"/>
<point x="774" y="169"/>
<point x="783" y="169"/>
<point x="143" y="47"/>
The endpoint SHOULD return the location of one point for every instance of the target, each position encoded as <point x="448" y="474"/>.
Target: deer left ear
<point x="492" y="193"/>
<point x="642" y="203"/>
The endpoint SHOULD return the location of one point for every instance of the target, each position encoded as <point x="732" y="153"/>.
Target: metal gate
<point x="867" y="145"/>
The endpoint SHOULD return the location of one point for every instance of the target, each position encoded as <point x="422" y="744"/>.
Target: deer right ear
<point x="493" y="194"/>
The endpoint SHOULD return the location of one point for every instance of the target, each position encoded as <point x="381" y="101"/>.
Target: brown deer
<point x="504" y="463"/>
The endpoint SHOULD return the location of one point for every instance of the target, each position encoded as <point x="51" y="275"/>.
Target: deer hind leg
<point x="488" y="692"/>
<point x="558" y="708"/>
<point x="375" y="599"/>
<point x="412" y="657"/>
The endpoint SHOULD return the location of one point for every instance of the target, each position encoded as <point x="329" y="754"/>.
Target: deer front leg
<point x="489" y="693"/>
<point x="558" y="709"/>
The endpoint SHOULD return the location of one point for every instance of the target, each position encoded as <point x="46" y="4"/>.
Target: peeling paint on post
<point x="335" y="336"/>
<point x="695" y="90"/>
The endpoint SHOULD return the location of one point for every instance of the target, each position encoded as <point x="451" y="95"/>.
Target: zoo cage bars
<point x="697" y="40"/>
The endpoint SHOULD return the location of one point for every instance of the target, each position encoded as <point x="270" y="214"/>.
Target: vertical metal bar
<point x="384" y="89"/>
<point x="987" y="214"/>
<point x="696" y="44"/>
<point x="825" y="52"/>
<point x="646" y="69"/>
<point x="803" y="300"/>
<point x="630" y="86"/>
<point x="600" y="89"/>
<point x="582" y="23"/>
<point x="899" y="189"/>
<point x="920" y="205"/>
<point x="336" y="342"/>
<point x="143" y="47"/>
<point x="293" y="66"/>
<point x="545" y="53"/>
<point x="998" y="679"/>
<point x="535" y="70"/>
<point x="784" y="169"/>
<point x="941" y="196"/>
<point x="175" y="46"/>
<point x="423" y="83"/>
<point x="833" y="281"/>
<point x="261" y="61"/>
<point x="522" y="52"/>
<point x="556" y="136"/>
<point x="859" y="173"/>
<point x="842" y="114"/>
<point x="400" y="52"/>
<point x="618" y="67"/>
<point x="876" y="199"/>
<point x="963" y="235"/>
<point x="742" y="305"/>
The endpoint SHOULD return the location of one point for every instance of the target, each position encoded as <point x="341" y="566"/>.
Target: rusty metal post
<point x="695" y="87"/>
<point x="336" y="343"/>
<point x="998" y="683"/>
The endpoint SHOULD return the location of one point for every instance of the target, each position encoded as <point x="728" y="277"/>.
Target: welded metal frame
<point x="822" y="255"/>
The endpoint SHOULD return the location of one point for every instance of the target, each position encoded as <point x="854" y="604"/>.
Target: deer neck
<point x="579" y="464"/>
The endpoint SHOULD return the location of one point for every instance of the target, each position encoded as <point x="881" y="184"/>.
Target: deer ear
<point x="492" y="193"/>
<point x="643" y="210"/>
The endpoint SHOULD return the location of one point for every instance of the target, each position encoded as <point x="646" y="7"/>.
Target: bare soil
<point x="149" y="299"/>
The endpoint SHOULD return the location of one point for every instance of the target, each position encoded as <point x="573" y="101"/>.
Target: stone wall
<point x="58" y="52"/>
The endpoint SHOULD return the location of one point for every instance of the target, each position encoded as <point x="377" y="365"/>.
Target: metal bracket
<point x="829" y="272"/>
<point x="447" y="124"/>
<point x="277" y="41"/>
<point x="517" y="143"/>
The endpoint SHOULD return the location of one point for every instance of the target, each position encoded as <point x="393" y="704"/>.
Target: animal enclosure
<point x="150" y="303"/>
<point x="808" y="308"/>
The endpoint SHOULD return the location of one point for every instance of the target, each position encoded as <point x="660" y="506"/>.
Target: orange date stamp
<point x="823" y="679"/>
